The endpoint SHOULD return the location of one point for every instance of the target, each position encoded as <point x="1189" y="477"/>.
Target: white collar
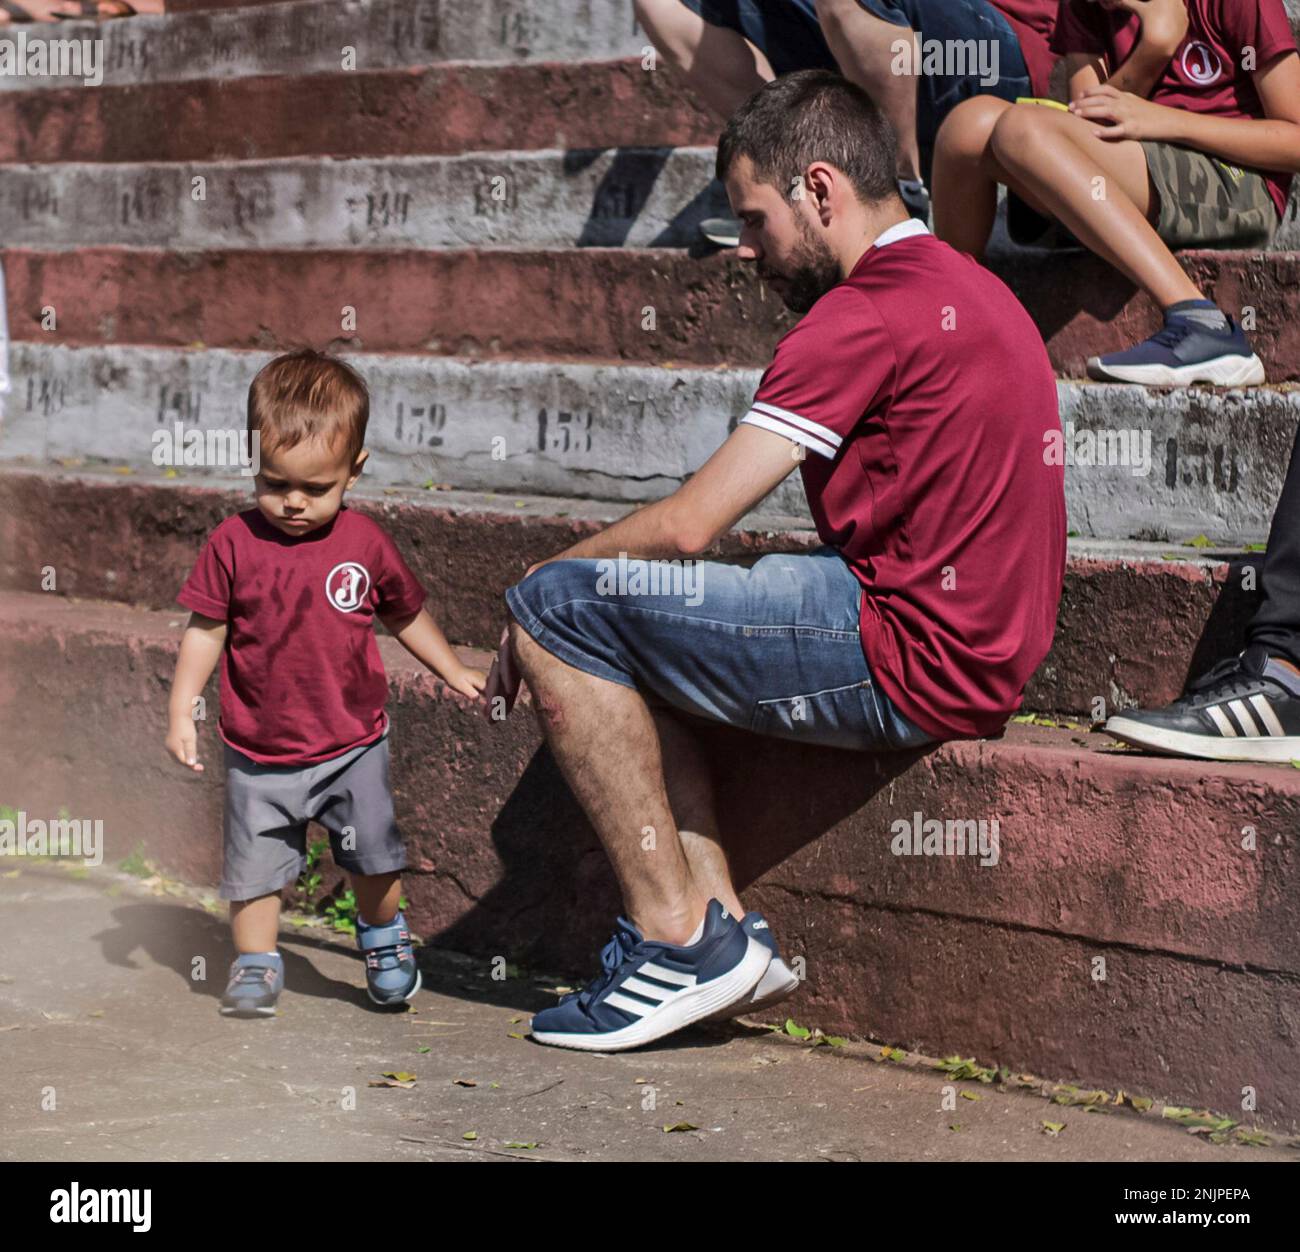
<point x="901" y="230"/>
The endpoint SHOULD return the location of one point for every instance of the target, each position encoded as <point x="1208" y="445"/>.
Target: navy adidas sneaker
<point x="392" y="976"/>
<point x="778" y="982"/>
<point x="256" y="980"/>
<point x="1183" y="352"/>
<point x="648" y="989"/>
<point x="1247" y="708"/>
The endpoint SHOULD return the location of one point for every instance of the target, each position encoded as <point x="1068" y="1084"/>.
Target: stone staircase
<point x="506" y="201"/>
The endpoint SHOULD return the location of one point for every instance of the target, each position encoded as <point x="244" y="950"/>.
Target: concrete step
<point x="445" y="108"/>
<point x="1136" y="620"/>
<point x="1124" y="935"/>
<point x="579" y="197"/>
<point x="311" y="36"/>
<point x="1173" y="465"/>
<point x="575" y="304"/>
<point x="216" y="40"/>
<point x="634" y="197"/>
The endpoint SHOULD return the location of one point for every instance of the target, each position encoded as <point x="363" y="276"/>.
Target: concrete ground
<point x="114" y="1052"/>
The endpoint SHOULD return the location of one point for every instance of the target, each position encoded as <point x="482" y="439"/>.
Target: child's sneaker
<point x="1183" y="352"/>
<point x="778" y="982"/>
<point x="392" y="976"/>
<point x="649" y="989"/>
<point x="256" y="980"/>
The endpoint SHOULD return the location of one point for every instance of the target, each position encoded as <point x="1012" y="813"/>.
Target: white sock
<point x="697" y="936"/>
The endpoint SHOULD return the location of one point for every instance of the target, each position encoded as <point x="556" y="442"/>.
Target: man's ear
<point x="357" y="465"/>
<point x="819" y="180"/>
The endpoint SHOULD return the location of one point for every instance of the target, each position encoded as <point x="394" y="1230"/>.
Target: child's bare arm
<point x="420" y="636"/>
<point x="1083" y="72"/>
<point x="201" y="647"/>
<point x="1164" y="25"/>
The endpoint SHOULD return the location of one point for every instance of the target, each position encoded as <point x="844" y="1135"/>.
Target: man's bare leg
<point x="690" y="794"/>
<point x="865" y="47"/>
<point x="604" y="740"/>
<point x="719" y="64"/>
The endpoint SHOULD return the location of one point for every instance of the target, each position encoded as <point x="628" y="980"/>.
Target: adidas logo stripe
<point x="651" y="986"/>
<point x="1242" y="722"/>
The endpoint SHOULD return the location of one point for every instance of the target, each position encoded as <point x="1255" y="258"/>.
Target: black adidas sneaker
<point x="1246" y="708"/>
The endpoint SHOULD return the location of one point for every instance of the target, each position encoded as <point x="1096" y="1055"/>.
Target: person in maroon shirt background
<point x="917" y="399"/>
<point x="285" y="596"/>
<point x="1183" y="131"/>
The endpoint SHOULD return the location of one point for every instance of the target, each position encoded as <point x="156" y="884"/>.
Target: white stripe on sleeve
<point x="780" y="427"/>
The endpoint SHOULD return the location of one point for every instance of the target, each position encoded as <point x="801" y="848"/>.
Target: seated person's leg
<point x="981" y="55"/>
<point x="965" y="178"/>
<point x="723" y="642"/>
<point x="1247" y="708"/>
<point x="728" y="49"/>
<point x="717" y="61"/>
<point x="1105" y="194"/>
<point x="864" y="45"/>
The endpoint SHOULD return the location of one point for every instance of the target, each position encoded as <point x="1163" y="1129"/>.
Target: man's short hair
<point x="307" y="395"/>
<point x="807" y="116"/>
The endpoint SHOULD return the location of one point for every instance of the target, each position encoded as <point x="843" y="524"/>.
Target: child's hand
<point x="469" y="682"/>
<point x="183" y="742"/>
<point x="1122" y="114"/>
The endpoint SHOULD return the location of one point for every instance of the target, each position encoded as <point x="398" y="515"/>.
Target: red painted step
<point x="571" y="304"/>
<point x="1131" y="628"/>
<point x="442" y="109"/>
<point x="1124" y="936"/>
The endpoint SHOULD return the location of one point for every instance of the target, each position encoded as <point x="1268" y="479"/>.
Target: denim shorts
<point x="773" y="648"/>
<point x="788" y="33"/>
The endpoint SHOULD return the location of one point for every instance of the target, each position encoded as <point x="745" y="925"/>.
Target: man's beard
<point x="813" y="272"/>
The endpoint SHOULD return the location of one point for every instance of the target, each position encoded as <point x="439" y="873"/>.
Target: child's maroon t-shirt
<point x="1206" y="74"/>
<point x="301" y="675"/>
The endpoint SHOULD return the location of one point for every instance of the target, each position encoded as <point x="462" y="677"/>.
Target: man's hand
<point x="1122" y="114"/>
<point x="183" y="742"/>
<point x="1164" y="23"/>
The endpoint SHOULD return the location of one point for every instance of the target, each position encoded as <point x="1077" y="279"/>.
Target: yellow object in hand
<point x="1051" y="104"/>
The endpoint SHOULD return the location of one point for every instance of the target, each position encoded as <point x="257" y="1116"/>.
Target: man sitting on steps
<point x="916" y="397"/>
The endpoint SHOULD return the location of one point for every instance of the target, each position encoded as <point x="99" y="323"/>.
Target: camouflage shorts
<point x="1205" y="202"/>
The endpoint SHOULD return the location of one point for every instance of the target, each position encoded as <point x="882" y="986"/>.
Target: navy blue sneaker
<point x="392" y="976"/>
<point x="778" y="982"/>
<point x="256" y="980"/>
<point x="648" y="989"/>
<point x="1181" y="353"/>
<point x="1247" y="708"/>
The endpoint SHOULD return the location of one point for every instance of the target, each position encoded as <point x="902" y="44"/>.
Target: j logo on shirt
<point x="347" y="585"/>
<point x="1201" y="64"/>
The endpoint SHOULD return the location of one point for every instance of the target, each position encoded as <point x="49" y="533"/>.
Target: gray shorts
<point x="268" y="808"/>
